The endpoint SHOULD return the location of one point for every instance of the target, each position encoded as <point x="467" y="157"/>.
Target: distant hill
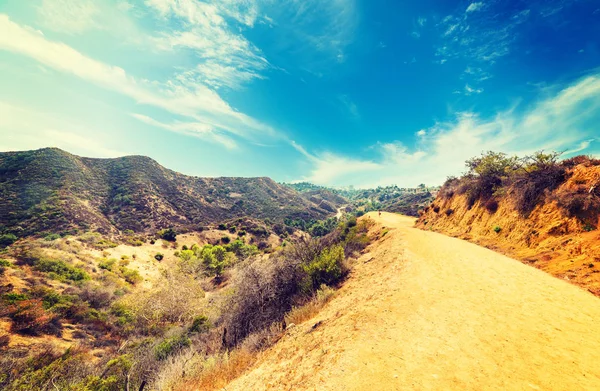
<point x="50" y="190"/>
<point x="406" y="201"/>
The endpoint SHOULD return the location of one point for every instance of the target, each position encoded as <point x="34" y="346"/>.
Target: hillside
<point x="544" y="212"/>
<point x="395" y="199"/>
<point x="423" y="311"/>
<point x="52" y="191"/>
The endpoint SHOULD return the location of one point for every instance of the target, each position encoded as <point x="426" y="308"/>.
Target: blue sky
<point x="337" y="92"/>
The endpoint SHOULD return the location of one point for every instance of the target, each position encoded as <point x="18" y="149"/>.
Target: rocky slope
<point x="50" y="190"/>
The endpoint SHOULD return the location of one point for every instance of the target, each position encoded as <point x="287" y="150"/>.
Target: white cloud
<point x="563" y="121"/>
<point x="474" y="7"/>
<point x="470" y="90"/>
<point x="75" y="17"/>
<point x="194" y="129"/>
<point x="316" y="32"/>
<point x="70" y="16"/>
<point x="182" y="96"/>
<point x="211" y="31"/>
<point x="25" y="128"/>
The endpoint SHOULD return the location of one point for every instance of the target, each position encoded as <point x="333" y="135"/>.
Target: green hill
<point x="50" y="190"/>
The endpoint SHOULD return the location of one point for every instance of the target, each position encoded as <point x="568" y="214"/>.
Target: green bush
<point x="200" y="324"/>
<point x="7" y="239"/>
<point x="159" y="256"/>
<point x="107" y="264"/>
<point x="132" y="276"/>
<point x="5" y="263"/>
<point x="13" y="297"/>
<point x="497" y="229"/>
<point x="51" y="237"/>
<point x="60" y="270"/>
<point x="326" y="268"/>
<point x="241" y="249"/>
<point x="123" y="313"/>
<point x="170" y="346"/>
<point x="168" y="234"/>
<point x="225" y="239"/>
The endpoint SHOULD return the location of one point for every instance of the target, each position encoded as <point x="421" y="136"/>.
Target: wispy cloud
<point x="349" y="106"/>
<point x="180" y="96"/>
<point x="564" y="121"/>
<point x="473" y="7"/>
<point x="211" y="32"/>
<point x="75" y="17"/>
<point x="329" y="168"/>
<point x="316" y="32"/>
<point x="194" y="129"/>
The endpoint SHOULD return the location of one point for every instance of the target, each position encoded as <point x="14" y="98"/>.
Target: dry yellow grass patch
<point x="300" y="314"/>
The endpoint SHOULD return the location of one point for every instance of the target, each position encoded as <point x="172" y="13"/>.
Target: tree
<point x="168" y="234"/>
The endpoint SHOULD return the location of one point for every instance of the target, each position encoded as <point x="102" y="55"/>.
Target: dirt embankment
<point x="423" y="311"/>
<point x="549" y="238"/>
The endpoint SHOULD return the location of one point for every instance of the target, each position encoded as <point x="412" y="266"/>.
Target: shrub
<point x="241" y="249"/>
<point x="51" y="237"/>
<point x="497" y="229"/>
<point x="539" y="174"/>
<point x="97" y="296"/>
<point x="60" y="270"/>
<point x="326" y="268"/>
<point x="13" y="297"/>
<point x="7" y="239"/>
<point x="264" y="293"/>
<point x="225" y="239"/>
<point x="232" y="229"/>
<point x="159" y="256"/>
<point x="29" y="317"/>
<point x="215" y="259"/>
<point x="449" y="212"/>
<point x="5" y="263"/>
<point x="170" y="346"/>
<point x="242" y="233"/>
<point x="581" y="159"/>
<point x="436" y="209"/>
<point x="449" y="187"/>
<point x="222" y="227"/>
<point x="4" y="341"/>
<point x="132" y="276"/>
<point x="200" y="324"/>
<point x="107" y="264"/>
<point x="167" y="234"/>
<point x="578" y="201"/>
<point x="491" y="205"/>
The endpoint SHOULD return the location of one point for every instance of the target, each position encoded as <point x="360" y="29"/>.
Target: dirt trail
<point x="423" y="311"/>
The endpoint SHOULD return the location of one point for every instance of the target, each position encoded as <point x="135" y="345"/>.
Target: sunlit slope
<point x="426" y="311"/>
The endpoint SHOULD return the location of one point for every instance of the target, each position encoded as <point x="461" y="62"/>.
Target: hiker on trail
<point x="379" y="213"/>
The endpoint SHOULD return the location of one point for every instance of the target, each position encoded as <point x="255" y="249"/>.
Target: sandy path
<point x="424" y="311"/>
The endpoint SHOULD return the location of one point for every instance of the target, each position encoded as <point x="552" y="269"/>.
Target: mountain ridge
<point x="52" y="190"/>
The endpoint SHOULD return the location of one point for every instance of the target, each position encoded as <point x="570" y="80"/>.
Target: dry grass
<point x="214" y="373"/>
<point x="300" y="314"/>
